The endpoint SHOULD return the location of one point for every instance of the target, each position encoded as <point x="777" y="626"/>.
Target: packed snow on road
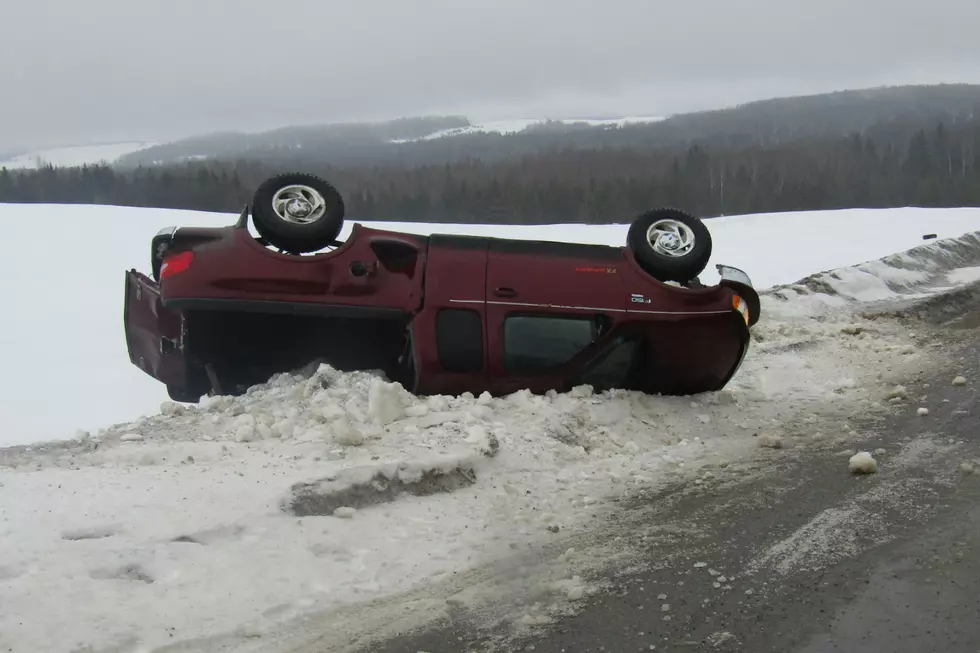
<point x="254" y="521"/>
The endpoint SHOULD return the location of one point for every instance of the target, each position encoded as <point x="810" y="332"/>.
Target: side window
<point x="459" y="340"/>
<point x="534" y="343"/>
<point x="613" y="369"/>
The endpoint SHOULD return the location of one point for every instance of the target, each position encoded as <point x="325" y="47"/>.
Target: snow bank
<point x="117" y="540"/>
<point x="923" y="271"/>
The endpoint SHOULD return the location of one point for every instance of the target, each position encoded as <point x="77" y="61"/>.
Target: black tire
<point x="683" y="267"/>
<point x="291" y="231"/>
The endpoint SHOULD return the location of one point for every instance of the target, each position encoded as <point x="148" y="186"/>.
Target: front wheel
<point x="670" y="245"/>
<point x="298" y="212"/>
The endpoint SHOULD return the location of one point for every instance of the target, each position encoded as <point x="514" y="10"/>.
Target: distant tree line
<point x="880" y="112"/>
<point x="887" y="165"/>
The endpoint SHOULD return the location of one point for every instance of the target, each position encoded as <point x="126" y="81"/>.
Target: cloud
<point x="104" y="69"/>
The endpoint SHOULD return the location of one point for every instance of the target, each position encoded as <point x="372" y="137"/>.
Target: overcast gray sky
<point x="75" y="71"/>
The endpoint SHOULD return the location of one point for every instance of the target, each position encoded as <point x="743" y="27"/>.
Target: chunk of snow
<point x="960" y="380"/>
<point x="535" y="620"/>
<point x="770" y="441"/>
<point x="387" y="401"/>
<point x="245" y="433"/>
<point x="862" y="463"/>
<point x="131" y="437"/>
<point x="898" y="392"/>
<point x="345" y="512"/>
<point x="346" y="434"/>
<point x="171" y="408"/>
<point x="922" y="412"/>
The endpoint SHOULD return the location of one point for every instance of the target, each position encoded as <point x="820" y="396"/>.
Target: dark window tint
<point x="612" y="370"/>
<point x="459" y="340"/>
<point x="536" y="343"/>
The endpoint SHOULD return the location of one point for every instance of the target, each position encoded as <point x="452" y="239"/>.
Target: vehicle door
<point x="449" y="333"/>
<point x="550" y="307"/>
<point x="154" y="334"/>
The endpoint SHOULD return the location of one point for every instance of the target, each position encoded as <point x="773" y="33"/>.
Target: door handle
<point x="505" y="292"/>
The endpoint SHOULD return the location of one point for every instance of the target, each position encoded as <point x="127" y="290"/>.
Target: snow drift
<point x="937" y="266"/>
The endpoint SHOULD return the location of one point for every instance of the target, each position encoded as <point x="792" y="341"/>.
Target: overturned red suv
<point x="225" y="309"/>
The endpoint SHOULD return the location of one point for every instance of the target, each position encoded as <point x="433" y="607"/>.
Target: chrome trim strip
<point x="585" y="308"/>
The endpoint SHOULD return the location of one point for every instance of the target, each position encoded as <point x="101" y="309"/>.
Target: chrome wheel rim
<point x="299" y="204"/>
<point x="670" y="238"/>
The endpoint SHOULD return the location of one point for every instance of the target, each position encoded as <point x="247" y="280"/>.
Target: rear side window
<point x="535" y="343"/>
<point x="459" y="340"/>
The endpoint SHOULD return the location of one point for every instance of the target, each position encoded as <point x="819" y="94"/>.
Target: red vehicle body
<point x="441" y="314"/>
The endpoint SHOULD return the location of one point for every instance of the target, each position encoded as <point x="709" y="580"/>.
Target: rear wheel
<point x="298" y="212"/>
<point x="670" y="245"/>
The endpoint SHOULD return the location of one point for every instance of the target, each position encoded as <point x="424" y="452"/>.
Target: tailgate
<point x="154" y="334"/>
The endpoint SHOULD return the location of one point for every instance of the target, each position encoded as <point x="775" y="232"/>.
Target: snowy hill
<point x="516" y="126"/>
<point x="258" y="523"/>
<point x="74" y="156"/>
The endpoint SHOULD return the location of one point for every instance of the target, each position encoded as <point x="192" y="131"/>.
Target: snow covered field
<point x="63" y="336"/>
<point x="217" y="525"/>
<point x="74" y="156"/>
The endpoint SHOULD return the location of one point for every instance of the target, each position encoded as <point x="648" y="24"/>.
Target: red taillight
<point x="176" y="264"/>
<point x="742" y="307"/>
